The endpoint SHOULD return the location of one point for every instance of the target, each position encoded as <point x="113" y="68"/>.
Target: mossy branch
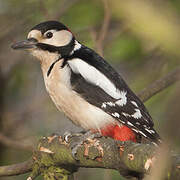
<point x="53" y="158"/>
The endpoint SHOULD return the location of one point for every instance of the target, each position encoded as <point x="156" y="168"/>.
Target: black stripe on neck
<point x="64" y="51"/>
<point x="51" y="67"/>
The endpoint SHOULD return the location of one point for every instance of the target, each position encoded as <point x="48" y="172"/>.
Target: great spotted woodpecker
<point x="85" y="87"/>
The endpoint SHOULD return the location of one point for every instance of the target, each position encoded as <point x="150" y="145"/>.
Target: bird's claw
<point x="80" y="139"/>
<point x="67" y="135"/>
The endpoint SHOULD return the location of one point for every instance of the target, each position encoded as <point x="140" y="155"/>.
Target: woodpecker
<point x="85" y="87"/>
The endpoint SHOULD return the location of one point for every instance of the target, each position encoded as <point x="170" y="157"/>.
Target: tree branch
<point x="160" y="85"/>
<point x="14" y="144"/>
<point x="104" y="28"/>
<point x="130" y="159"/>
<point x="16" y="169"/>
<point x="53" y="158"/>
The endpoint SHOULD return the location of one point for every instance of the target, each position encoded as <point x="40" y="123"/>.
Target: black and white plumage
<point x="114" y="96"/>
<point x="83" y="85"/>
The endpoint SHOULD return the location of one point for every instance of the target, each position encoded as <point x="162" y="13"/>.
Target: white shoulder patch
<point x="94" y="76"/>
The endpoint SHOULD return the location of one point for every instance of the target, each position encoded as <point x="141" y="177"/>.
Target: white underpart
<point x="92" y="75"/>
<point x="75" y="107"/>
<point x="123" y="99"/>
<point x="60" y="38"/>
<point x="137" y="114"/>
<point x="133" y="102"/>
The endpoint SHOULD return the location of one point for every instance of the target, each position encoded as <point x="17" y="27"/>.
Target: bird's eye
<point x="49" y="35"/>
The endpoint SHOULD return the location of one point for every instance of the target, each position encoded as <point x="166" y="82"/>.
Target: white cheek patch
<point x="92" y="75"/>
<point x="35" y="34"/>
<point x="60" y="38"/>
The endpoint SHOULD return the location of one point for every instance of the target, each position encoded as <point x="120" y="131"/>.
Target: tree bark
<point x="53" y="158"/>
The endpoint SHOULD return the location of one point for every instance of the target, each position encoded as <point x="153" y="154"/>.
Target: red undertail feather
<point x="121" y="133"/>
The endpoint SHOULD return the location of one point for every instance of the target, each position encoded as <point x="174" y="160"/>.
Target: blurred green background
<point x="141" y="39"/>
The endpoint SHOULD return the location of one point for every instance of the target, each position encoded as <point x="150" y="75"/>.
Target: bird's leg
<point x="80" y="138"/>
<point x="69" y="134"/>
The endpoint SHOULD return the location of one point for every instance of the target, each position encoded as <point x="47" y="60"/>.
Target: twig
<point x="104" y="28"/>
<point x="15" y="144"/>
<point x="2" y="90"/>
<point x="160" y="85"/>
<point x="16" y="169"/>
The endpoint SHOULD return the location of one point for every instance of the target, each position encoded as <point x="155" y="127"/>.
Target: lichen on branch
<point x="130" y="159"/>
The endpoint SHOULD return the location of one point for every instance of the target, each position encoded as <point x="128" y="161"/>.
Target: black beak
<point x="26" y="44"/>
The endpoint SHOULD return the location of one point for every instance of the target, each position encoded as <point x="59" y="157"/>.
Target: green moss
<point x="53" y="173"/>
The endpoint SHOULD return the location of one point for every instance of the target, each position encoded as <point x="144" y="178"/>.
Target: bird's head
<point x="49" y="38"/>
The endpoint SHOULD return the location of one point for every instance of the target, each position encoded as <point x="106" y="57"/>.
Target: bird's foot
<point x="69" y="134"/>
<point x="79" y="139"/>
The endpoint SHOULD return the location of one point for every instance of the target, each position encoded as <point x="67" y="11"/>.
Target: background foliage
<point x="140" y="39"/>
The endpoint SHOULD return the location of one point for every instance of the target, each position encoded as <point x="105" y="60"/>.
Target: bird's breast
<point x="72" y="104"/>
